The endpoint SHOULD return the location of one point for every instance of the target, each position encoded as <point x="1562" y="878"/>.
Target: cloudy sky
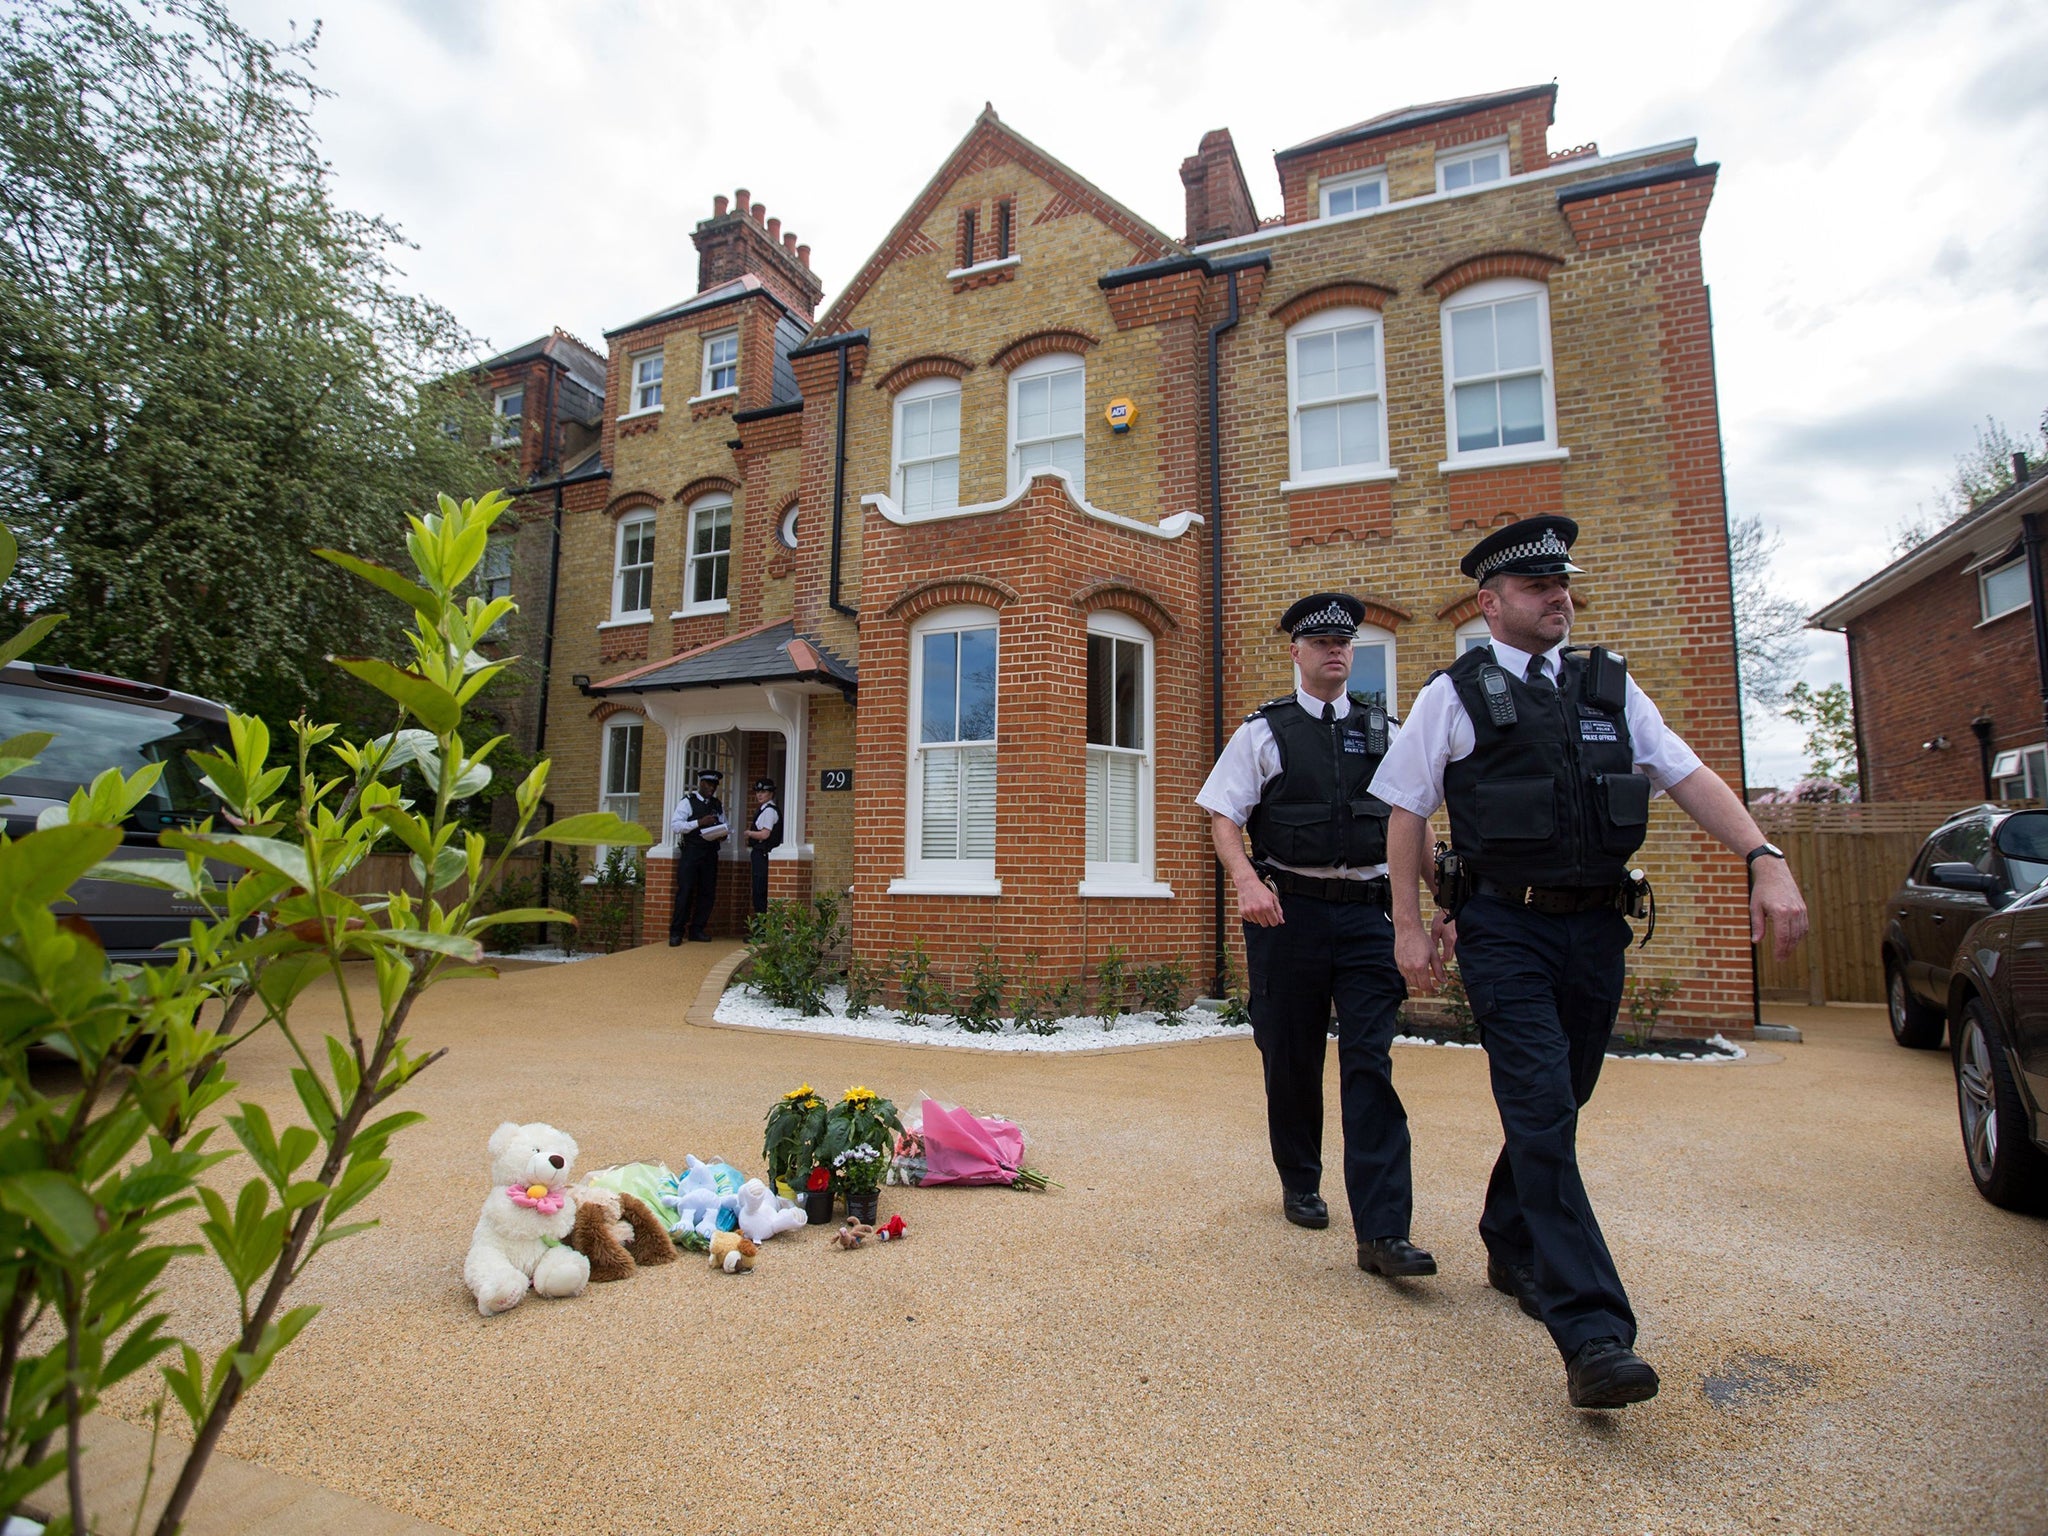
<point x="1878" y="246"/>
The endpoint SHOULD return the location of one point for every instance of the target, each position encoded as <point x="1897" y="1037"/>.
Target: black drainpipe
<point x="839" y="491"/>
<point x="1216" y="593"/>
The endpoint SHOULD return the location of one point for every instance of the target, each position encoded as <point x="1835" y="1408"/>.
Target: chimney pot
<point x="789" y="243"/>
<point x="803" y="254"/>
<point x="740" y="198"/>
<point x="719" y="204"/>
<point x="2019" y="469"/>
<point x="775" y="229"/>
<point x="759" y="211"/>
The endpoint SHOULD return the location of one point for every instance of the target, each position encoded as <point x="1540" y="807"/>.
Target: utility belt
<point x="1457" y="882"/>
<point x="1374" y="892"/>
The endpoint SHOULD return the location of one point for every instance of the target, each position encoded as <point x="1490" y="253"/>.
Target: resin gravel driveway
<point x="1850" y="1339"/>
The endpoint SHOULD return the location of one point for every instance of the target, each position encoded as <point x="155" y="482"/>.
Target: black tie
<point x="1329" y="714"/>
<point x="1535" y="676"/>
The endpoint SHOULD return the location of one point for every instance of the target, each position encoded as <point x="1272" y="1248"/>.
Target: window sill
<point x="1129" y="890"/>
<point x="699" y="610"/>
<point x="1350" y="477"/>
<point x="629" y="619"/>
<point x="716" y="394"/>
<point x="1499" y="459"/>
<point x="927" y="885"/>
<point x="652" y="410"/>
<point x="1986" y="623"/>
<point x="980" y="267"/>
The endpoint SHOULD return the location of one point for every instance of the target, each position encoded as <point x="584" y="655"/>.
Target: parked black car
<point x="101" y="722"/>
<point x="1998" y="1015"/>
<point x="1963" y="872"/>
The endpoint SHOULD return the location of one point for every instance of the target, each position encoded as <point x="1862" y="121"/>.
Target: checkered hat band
<point x="1330" y="616"/>
<point x="1549" y="544"/>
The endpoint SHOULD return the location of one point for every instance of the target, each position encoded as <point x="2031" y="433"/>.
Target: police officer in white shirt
<point x="698" y="825"/>
<point x="1316" y="929"/>
<point x="1546" y="760"/>
<point x="764" y="836"/>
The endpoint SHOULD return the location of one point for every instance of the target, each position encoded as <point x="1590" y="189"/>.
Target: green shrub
<point x="1163" y="989"/>
<point x="561" y="886"/>
<point x="791" y="958"/>
<point x="1457" y="1007"/>
<point x="1110" y="983"/>
<point x="864" y="982"/>
<point x="980" y="1010"/>
<point x="1645" y="997"/>
<point x="611" y="903"/>
<point x="1235" y="1013"/>
<point x="511" y="894"/>
<point x="1033" y="1007"/>
<point x="923" y="994"/>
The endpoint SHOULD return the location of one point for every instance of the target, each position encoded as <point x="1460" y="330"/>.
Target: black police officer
<point x="764" y="835"/>
<point x="1316" y="929"/>
<point x="698" y="826"/>
<point x="1546" y="760"/>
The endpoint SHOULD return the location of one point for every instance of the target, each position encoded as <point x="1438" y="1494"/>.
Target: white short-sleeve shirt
<point x="1439" y="731"/>
<point x="766" y="818"/>
<point x="1251" y="761"/>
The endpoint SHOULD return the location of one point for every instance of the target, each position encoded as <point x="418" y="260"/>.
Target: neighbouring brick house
<point x="1942" y="663"/>
<point x="945" y="559"/>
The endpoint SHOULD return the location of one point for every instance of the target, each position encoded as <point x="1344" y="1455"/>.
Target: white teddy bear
<point x="696" y="1200"/>
<point x="521" y="1236"/>
<point x="762" y="1215"/>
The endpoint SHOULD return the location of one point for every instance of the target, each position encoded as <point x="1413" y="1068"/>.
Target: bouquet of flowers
<point x="965" y="1148"/>
<point x="860" y="1132"/>
<point x="796" y="1124"/>
<point x="907" y="1166"/>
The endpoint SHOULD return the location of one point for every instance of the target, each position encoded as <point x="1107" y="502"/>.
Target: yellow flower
<point x="798" y="1094"/>
<point x="858" y="1096"/>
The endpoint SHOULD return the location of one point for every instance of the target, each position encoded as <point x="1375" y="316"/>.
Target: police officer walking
<point x="1546" y="759"/>
<point x="763" y="836"/>
<point x="698" y="827"/>
<point x="1317" y="931"/>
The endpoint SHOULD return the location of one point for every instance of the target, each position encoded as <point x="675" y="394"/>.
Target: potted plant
<point x="817" y="1196"/>
<point x="859" y="1131"/>
<point x="795" y="1126"/>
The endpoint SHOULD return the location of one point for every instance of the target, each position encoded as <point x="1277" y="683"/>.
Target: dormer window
<point x="646" y="382"/>
<point x="1468" y="167"/>
<point x="721" y="362"/>
<point x="1353" y="194"/>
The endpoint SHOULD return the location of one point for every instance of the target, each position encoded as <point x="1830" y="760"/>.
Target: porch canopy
<point x="755" y="682"/>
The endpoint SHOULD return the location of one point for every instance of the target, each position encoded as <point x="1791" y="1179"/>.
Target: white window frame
<point x="786" y="527"/>
<point x="1471" y="633"/>
<point x="1341" y="318"/>
<point x="1038" y="368"/>
<point x="705" y="508"/>
<point x="1479" y="295"/>
<point x="1106" y="877"/>
<point x="1465" y="153"/>
<point x="500" y="437"/>
<point x="2021" y="774"/>
<point x="1984" y="599"/>
<point x="494" y="571"/>
<point x="710" y="388"/>
<point x="920" y="393"/>
<point x="1335" y="184"/>
<point x="638" y="402"/>
<point x="941" y="876"/>
<point x="620" y="612"/>
<point x="607" y="750"/>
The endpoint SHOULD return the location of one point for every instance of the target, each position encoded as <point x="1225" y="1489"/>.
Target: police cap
<point x="708" y="776"/>
<point x="1323" y="613"/>
<point x="767" y="784"/>
<point x="1536" y="546"/>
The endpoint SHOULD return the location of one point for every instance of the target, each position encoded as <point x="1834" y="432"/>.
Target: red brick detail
<point x="780" y="555"/>
<point x="1039" y="344"/>
<point x="1061" y="207"/>
<point x="932" y="365"/>
<point x="771" y="434"/>
<point x="722" y="405"/>
<point x="1324" y="513"/>
<point x="1382" y="613"/>
<point x="946" y="592"/>
<point x="966" y="234"/>
<point x="1642" y="215"/>
<point x="1127" y="598"/>
<point x="1480" y="498"/>
<point x="1533" y="113"/>
<point x="986" y="279"/>
<point x="1534" y="265"/>
<point x="1332" y="296"/>
<point x="623" y="642"/>
<point x="918" y="243"/>
<point x="990" y="143"/>
<point x="697" y="631"/>
<point x="609" y="707"/>
<point x="630" y="501"/>
<point x="639" y="426"/>
<point x="704" y="485"/>
<point x="1157" y="300"/>
<point x="1461" y="610"/>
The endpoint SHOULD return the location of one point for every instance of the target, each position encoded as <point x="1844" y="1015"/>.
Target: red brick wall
<point x="1925" y="667"/>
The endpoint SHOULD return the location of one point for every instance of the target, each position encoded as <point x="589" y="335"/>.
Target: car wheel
<point x="1914" y="1024"/>
<point x="2008" y="1168"/>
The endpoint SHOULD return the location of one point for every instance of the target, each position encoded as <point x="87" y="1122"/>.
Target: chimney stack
<point x="1219" y="200"/>
<point x="740" y="239"/>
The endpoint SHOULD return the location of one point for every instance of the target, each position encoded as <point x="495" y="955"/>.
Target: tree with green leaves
<point x="1769" y="626"/>
<point x="95" y="1167"/>
<point x="1982" y="472"/>
<point x="1828" y="716"/>
<point x="207" y="368"/>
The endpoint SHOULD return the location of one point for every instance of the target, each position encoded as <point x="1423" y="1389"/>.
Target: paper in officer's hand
<point x="712" y="831"/>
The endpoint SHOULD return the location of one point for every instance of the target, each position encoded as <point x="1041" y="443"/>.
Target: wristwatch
<point x="1762" y="851"/>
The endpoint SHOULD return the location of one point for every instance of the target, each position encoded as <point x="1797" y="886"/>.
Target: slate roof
<point x="774" y="653"/>
<point x="1410" y="117"/>
<point x="585" y="364"/>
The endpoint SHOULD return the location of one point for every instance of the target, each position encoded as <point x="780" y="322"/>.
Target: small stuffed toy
<point x="892" y="1228"/>
<point x="520" y="1239"/>
<point x="853" y="1234"/>
<point x="617" y="1233"/>
<point x="763" y="1215"/>
<point x="700" y="1204"/>
<point x="732" y="1252"/>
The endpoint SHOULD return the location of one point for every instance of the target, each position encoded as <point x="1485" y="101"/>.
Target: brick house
<point x="983" y="562"/>
<point x="1943" y="668"/>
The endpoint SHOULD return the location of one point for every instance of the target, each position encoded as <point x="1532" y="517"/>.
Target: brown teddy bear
<point x="617" y="1233"/>
<point x="732" y="1252"/>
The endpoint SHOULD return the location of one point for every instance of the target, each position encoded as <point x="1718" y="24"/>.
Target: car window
<point x="1934" y="851"/>
<point x="1968" y="842"/>
<point x="94" y="734"/>
<point x="2023" y="839"/>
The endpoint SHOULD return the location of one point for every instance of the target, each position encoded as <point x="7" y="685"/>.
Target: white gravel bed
<point x="1685" y="1060"/>
<point x="741" y="1004"/>
<point x="548" y="956"/>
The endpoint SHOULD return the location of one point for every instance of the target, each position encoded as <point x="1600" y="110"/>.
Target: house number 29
<point x="835" y="778"/>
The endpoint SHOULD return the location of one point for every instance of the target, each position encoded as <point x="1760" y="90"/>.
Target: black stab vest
<point x="1553" y="798"/>
<point x="695" y="843"/>
<point x="774" y="837"/>
<point x="1317" y="811"/>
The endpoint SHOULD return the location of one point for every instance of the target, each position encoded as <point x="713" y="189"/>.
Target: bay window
<point x="1047" y="426"/>
<point x="952" y="792"/>
<point x="1119" y="812"/>
<point x="927" y="457"/>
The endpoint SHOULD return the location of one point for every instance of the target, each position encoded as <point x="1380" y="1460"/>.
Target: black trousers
<point x="1333" y="952"/>
<point x="1544" y="991"/>
<point x="760" y="862"/>
<point x="696" y="891"/>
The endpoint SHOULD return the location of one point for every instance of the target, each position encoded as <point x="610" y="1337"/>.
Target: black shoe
<point x="1605" y="1373"/>
<point x="1395" y="1256"/>
<point x="1306" y="1210"/>
<point x="1516" y="1280"/>
<point x="674" y="939"/>
<point x="700" y="938"/>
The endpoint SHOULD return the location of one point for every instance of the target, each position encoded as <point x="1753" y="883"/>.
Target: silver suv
<point x="109" y="722"/>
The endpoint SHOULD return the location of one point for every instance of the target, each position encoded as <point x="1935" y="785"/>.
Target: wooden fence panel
<point x="1848" y="860"/>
